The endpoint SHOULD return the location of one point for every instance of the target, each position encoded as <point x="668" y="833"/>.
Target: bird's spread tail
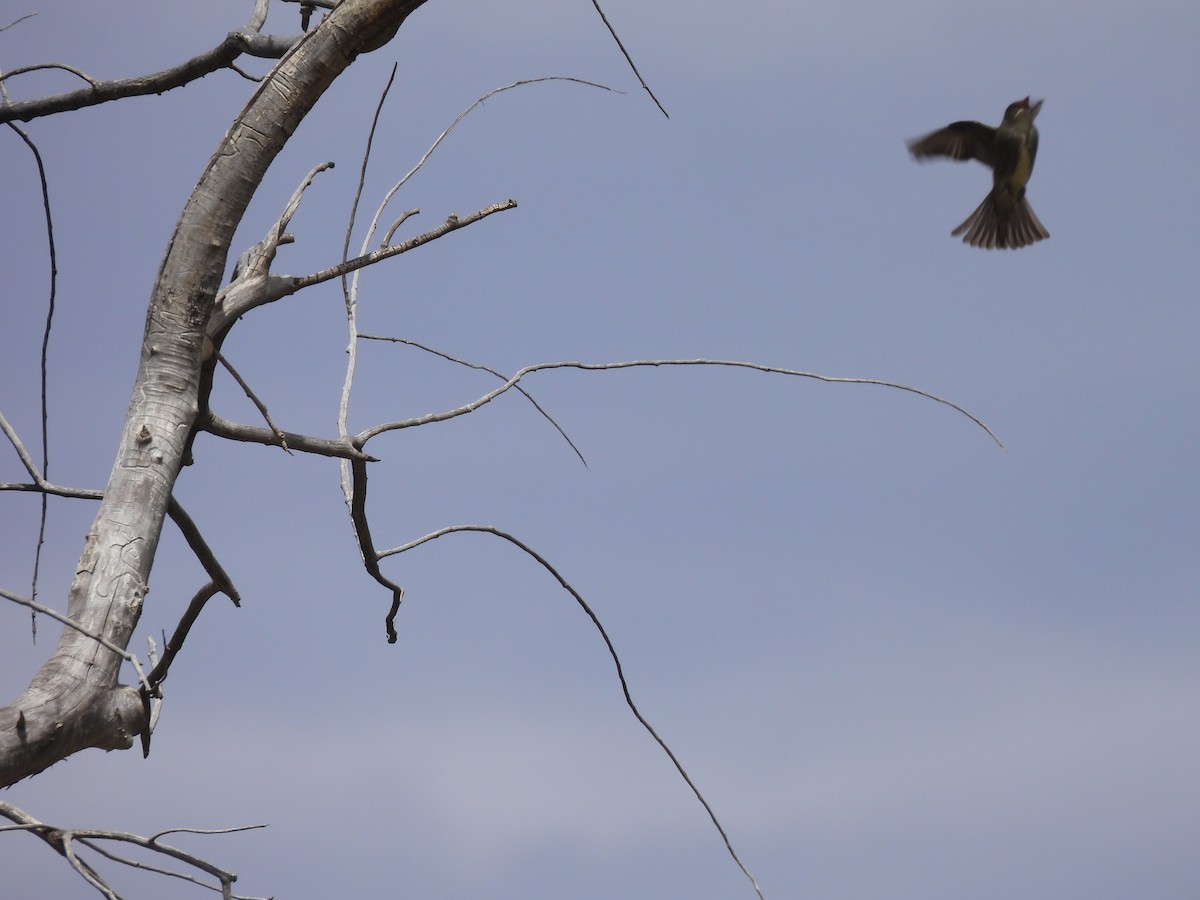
<point x="996" y="226"/>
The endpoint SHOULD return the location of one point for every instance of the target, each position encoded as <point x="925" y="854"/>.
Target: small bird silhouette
<point x="1004" y="219"/>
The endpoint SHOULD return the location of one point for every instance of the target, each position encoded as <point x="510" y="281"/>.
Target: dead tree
<point x="76" y="700"/>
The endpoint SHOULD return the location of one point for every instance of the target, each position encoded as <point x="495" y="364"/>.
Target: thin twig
<point x="482" y="368"/>
<point x="628" y="58"/>
<point x="17" y="21"/>
<point x="262" y="407"/>
<point x="612" y="651"/>
<point x="57" y="490"/>
<point x="37" y="67"/>
<point x="453" y="222"/>
<point x="68" y="621"/>
<point x="22" y="453"/>
<point x="350" y="290"/>
<point x="369" y="433"/>
<point x="466" y="112"/>
<point x="63" y="840"/>
<point x="45" y="416"/>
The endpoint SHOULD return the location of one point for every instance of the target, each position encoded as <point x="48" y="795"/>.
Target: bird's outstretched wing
<point x="958" y="140"/>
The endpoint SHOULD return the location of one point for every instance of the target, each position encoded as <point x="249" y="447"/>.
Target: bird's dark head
<point x="1022" y="111"/>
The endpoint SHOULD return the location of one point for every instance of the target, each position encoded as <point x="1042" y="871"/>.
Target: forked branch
<point x="247" y="41"/>
<point x="66" y="842"/>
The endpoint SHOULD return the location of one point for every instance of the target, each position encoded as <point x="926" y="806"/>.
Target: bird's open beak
<point x="1033" y="110"/>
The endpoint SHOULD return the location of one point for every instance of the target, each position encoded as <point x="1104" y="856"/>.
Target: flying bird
<point x="1004" y="219"/>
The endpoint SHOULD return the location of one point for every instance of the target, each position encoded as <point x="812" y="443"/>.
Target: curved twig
<point x="470" y="365"/>
<point x="17" y="21"/>
<point x="44" y="369"/>
<point x="37" y="67"/>
<point x="428" y="418"/>
<point x="612" y="652"/>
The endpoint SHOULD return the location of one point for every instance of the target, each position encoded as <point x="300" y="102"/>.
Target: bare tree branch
<point x="71" y="623"/>
<point x="452" y="223"/>
<point x="254" y="399"/>
<point x="17" y="21"/>
<point x="490" y="371"/>
<point x="250" y="285"/>
<point x="362" y="437"/>
<point x="63" y="840"/>
<point x="254" y="285"/>
<point x="340" y="448"/>
<point x="58" y="490"/>
<point x="44" y="373"/>
<point x="187" y="527"/>
<point x="350" y="301"/>
<point x="356" y="498"/>
<point x="466" y="112"/>
<point x="159" y="673"/>
<point x="22" y="453"/>
<point x="236" y="43"/>
<point x="350" y="290"/>
<point x="628" y="58"/>
<point x="612" y="652"/>
<point x="204" y="554"/>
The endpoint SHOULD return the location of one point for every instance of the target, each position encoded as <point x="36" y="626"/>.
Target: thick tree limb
<point x="75" y="700"/>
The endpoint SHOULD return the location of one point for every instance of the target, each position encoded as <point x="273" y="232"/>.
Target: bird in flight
<point x="1004" y="219"/>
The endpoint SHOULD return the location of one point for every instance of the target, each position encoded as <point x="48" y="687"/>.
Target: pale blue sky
<point x="899" y="661"/>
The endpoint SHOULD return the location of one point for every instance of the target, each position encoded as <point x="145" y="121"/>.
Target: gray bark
<point x="75" y="701"/>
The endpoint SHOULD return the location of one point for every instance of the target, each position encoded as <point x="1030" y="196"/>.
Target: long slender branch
<point x="466" y="112"/>
<point x="17" y="21"/>
<point x="470" y="365"/>
<point x="350" y="300"/>
<point x="628" y="58"/>
<point x="612" y="652"/>
<point x="52" y="294"/>
<point x="57" y="490"/>
<point x="369" y="433"/>
<point x="262" y="407"/>
<point x="350" y="290"/>
<point x="71" y="623"/>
